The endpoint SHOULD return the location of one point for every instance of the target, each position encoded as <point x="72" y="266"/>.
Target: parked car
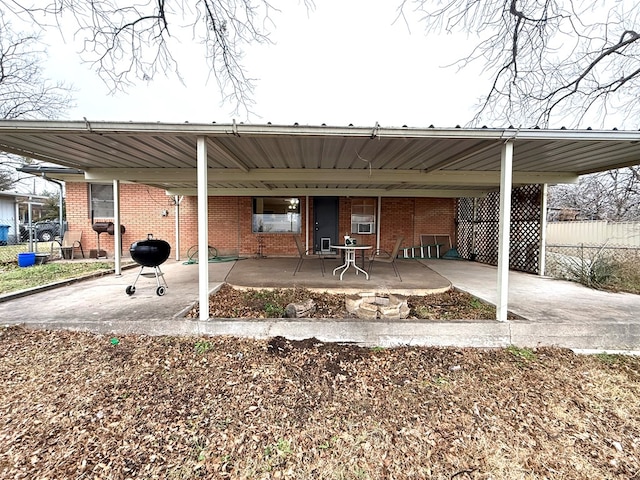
<point x="44" y="231"/>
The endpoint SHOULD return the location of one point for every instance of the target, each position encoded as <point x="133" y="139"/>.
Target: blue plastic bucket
<point x="26" y="259"/>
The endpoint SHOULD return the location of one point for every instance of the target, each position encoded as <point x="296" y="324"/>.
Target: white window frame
<point x="100" y="205"/>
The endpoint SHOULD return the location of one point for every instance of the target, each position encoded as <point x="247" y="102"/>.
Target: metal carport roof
<point x="319" y="160"/>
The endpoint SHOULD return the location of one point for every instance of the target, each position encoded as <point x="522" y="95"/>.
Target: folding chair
<point x="386" y="257"/>
<point x="303" y="255"/>
<point x="70" y="242"/>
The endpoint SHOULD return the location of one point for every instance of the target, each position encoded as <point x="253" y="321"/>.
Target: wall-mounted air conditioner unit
<point x="365" y="228"/>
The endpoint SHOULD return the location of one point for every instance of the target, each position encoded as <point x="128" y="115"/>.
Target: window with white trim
<point x="363" y="216"/>
<point x="276" y="215"/>
<point x="101" y="200"/>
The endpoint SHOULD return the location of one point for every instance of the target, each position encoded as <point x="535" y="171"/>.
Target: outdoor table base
<point x="350" y="258"/>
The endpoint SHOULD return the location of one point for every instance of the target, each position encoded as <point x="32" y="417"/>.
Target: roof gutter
<point x="44" y="170"/>
<point x="235" y="129"/>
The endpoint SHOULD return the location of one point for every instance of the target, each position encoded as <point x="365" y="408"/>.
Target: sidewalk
<point x="103" y="300"/>
<point x="555" y="313"/>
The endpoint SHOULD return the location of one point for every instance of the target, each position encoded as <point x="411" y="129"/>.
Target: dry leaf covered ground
<point x="79" y="405"/>
<point x="229" y="302"/>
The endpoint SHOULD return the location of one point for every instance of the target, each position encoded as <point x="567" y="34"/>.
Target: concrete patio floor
<point x="554" y="312"/>
<point x="415" y="277"/>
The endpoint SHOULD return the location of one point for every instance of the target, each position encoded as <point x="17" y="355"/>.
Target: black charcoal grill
<point x="105" y="227"/>
<point x="150" y="253"/>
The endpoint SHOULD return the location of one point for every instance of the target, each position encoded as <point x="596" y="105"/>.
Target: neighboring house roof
<point x="319" y="160"/>
<point x="51" y="171"/>
<point x="15" y="196"/>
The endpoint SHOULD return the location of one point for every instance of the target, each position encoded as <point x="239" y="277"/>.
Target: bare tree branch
<point x="612" y="195"/>
<point x="24" y="93"/>
<point x="126" y="41"/>
<point x="550" y="60"/>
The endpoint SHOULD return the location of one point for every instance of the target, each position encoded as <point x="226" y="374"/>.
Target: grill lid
<point x="150" y="252"/>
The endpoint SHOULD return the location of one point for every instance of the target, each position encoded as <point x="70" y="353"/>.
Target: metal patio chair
<point x="386" y="257"/>
<point x="304" y="255"/>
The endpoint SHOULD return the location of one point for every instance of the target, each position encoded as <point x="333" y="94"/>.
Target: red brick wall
<point x="409" y="217"/>
<point x="141" y="210"/>
<point x="230" y="221"/>
<point x="436" y="216"/>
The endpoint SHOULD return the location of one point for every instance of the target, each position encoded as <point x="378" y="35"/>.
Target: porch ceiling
<point x="318" y="160"/>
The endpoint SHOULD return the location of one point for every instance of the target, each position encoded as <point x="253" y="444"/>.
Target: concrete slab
<point x="555" y="313"/>
<point x="542" y="299"/>
<point x="104" y="299"/>
<point x="415" y="277"/>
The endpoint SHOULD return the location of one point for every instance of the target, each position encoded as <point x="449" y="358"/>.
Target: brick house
<point x="231" y="228"/>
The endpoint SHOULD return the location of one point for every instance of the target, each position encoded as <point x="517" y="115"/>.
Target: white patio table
<point x="350" y="258"/>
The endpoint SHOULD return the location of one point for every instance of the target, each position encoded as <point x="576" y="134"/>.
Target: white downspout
<point x="506" y="174"/>
<point x="543" y="230"/>
<point x="117" y="233"/>
<point x="16" y="220"/>
<point x="379" y="213"/>
<point x="31" y="232"/>
<point x="307" y="223"/>
<point x="177" y="200"/>
<point x="203" y="229"/>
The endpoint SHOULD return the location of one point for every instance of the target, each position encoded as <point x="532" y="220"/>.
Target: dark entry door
<point x="325" y="220"/>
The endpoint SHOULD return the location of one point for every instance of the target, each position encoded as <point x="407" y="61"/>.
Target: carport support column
<point x="203" y="229"/>
<point x="117" y="233"/>
<point x="542" y="253"/>
<point x="504" y="228"/>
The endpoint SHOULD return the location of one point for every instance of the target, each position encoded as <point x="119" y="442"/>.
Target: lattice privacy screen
<point x="478" y="228"/>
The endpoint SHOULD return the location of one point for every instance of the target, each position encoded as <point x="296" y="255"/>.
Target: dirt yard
<point x="84" y="406"/>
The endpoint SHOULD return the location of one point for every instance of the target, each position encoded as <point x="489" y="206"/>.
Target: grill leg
<point x="138" y="276"/>
<point x="160" y="275"/>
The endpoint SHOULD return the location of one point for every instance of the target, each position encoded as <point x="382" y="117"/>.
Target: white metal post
<point x="379" y="212"/>
<point x="504" y="228"/>
<point x="203" y="229"/>
<point x="307" y="223"/>
<point x="117" y="233"/>
<point x="542" y="252"/>
<point x="177" y="200"/>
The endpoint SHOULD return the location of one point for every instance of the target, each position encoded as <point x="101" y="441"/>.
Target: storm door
<point x="325" y="220"/>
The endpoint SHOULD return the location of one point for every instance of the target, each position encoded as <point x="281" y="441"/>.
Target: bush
<point x="604" y="269"/>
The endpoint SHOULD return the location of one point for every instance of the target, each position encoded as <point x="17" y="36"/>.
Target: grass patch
<point x="626" y="278"/>
<point x="609" y="358"/>
<point x="521" y="353"/>
<point x="14" y="278"/>
<point x="202" y="347"/>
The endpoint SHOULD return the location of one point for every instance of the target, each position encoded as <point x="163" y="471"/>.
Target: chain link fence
<point x="12" y="243"/>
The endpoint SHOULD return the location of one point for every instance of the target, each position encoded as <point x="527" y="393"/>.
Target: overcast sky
<point x="346" y="62"/>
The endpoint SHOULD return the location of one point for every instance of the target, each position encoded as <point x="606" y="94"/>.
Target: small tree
<point x="613" y="195"/>
<point x="6" y="180"/>
<point x="51" y="207"/>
